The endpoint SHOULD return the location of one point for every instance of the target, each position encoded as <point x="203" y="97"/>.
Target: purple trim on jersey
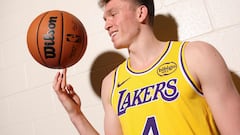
<point x="185" y="72"/>
<point x="168" y="46"/>
<point x="114" y="83"/>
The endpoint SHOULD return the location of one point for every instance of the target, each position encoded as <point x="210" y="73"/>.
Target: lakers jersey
<point x="161" y="100"/>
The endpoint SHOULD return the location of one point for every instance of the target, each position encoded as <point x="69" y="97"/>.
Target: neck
<point x="145" y="50"/>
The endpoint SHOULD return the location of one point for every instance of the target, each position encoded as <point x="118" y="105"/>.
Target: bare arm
<point x="111" y="122"/>
<point x="210" y="70"/>
<point x="72" y="104"/>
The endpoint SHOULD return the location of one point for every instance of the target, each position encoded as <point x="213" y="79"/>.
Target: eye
<point x="113" y="14"/>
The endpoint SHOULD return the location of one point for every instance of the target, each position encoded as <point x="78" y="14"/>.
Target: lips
<point x="112" y="33"/>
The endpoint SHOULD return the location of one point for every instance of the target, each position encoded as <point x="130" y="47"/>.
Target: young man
<point x="163" y="88"/>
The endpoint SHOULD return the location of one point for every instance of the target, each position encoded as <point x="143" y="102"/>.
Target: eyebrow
<point x="107" y="13"/>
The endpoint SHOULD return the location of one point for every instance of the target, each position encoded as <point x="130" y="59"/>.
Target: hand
<point x="65" y="92"/>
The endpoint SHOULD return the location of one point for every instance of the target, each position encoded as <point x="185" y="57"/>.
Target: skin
<point x="210" y="71"/>
<point x="72" y="104"/>
<point x="127" y="25"/>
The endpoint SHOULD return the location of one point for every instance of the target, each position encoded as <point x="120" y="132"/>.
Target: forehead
<point x="113" y="5"/>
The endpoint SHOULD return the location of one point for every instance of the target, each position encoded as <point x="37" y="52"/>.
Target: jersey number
<point x="151" y="125"/>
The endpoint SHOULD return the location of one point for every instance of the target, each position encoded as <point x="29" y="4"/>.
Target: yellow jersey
<point x="163" y="99"/>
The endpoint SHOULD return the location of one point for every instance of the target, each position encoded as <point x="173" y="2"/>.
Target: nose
<point x="108" y="24"/>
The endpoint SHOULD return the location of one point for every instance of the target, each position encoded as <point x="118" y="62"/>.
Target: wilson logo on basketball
<point x="48" y="38"/>
<point x="167" y="68"/>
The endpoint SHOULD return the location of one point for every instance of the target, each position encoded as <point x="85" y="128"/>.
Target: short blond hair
<point x="148" y="3"/>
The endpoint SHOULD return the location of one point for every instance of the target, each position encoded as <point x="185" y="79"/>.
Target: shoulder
<point x="203" y="60"/>
<point x="107" y="86"/>
<point x="202" y="52"/>
<point x="206" y="64"/>
<point x="200" y="47"/>
<point x="108" y="81"/>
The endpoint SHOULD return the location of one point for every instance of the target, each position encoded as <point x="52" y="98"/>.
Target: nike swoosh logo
<point x="120" y="84"/>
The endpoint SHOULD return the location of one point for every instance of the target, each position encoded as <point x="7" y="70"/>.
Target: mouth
<point x="113" y="33"/>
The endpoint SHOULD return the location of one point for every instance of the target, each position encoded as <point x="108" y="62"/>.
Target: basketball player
<point x="163" y="88"/>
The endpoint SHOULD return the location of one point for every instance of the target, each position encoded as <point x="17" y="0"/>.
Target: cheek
<point x="128" y="26"/>
<point x="128" y="19"/>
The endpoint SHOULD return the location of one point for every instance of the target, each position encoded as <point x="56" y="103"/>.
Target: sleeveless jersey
<point x="161" y="100"/>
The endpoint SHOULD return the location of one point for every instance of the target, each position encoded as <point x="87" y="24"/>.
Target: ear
<point x="142" y="13"/>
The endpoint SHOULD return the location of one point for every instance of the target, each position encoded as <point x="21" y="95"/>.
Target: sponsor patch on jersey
<point x="167" y="68"/>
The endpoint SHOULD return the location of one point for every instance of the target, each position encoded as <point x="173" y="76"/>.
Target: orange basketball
<point x="57" y="39"/>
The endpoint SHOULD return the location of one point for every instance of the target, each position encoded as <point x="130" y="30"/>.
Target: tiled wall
<point x="28" y="105"/>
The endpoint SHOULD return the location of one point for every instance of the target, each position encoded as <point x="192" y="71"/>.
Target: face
<point x="121" y="22"/>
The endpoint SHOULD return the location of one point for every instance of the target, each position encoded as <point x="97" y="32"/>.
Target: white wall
<point x="28" y="105"/>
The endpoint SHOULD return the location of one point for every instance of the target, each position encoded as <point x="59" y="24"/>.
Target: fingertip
<point x="57" y="74"/>
<point x="64" y="71"/>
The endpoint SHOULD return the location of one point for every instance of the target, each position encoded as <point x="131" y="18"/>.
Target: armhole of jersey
<point x="114" y="82"/>
<point x="185" y="70"/>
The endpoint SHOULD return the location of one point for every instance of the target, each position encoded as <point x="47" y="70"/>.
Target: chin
<point x="117" y="46"/>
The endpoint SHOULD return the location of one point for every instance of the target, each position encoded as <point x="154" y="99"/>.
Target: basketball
<point x="56" y="39"/>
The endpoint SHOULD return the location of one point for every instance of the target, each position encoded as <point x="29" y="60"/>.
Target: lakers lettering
<point x="49" y="39"/>
<point x="166" y="91"/>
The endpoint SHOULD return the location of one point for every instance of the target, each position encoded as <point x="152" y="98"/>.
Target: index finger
<point x="64" y="77"/>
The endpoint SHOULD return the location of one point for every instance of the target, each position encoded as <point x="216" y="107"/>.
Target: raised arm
<point x="211" y="72"/>
<point x="111" y="122"/>
<point x="72" y="104"/>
